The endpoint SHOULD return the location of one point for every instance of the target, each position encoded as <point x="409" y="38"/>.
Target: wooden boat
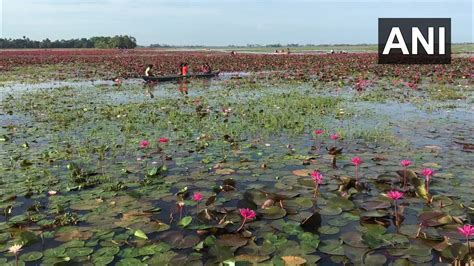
<point x="178" y="77"/>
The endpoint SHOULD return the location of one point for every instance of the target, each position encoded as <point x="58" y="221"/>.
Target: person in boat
<point x="184" y="69"/>
<point x="181" y="68"/>
<point x="206" y="68"/>
<point x="148" y="71"/>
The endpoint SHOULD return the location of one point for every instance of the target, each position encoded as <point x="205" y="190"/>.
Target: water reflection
<point x="149" y="87"/>
<point x="183" y="87"/>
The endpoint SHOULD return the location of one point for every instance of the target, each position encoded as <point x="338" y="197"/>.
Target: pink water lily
<point x="163" y="140"/>
<point x="247" y="214"/>
<point x="405" y="164"/>
<point x="144" y="144"/>
<point x="318" y="132"/>
<point x="428" y="173"/>
<point x="197" y="196"/>
<point x="318" y="179"/>
<point x="334" y="137"/>
<point x="467" y="231"/>
<point x="395" y="195"/>
<point x="356" y="161"/>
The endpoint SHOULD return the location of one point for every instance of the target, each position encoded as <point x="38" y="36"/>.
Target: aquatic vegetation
<point x="233" y="172"/>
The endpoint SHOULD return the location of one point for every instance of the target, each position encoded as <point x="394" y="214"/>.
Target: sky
<point x="223" y="22"/>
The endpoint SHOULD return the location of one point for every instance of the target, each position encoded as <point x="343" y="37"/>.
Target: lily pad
<point x="330" y="210"/>
<point x="232" y="240"/>
<point x="185" y="221"/>
<point x="332" y="247"/>
<point x="353" y="239"/>
<point x="375" y="205"/>
<point x="273" y="213"/>
<point x="293" y="260"/>
<point x="328" y="230"/>
<point x="177" y="240"/>
<point x="31" y="256"/>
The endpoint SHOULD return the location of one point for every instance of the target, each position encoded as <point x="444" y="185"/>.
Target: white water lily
<point x="15" y="249"/>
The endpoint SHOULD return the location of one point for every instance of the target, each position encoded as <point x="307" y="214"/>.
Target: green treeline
<point x="123" y="42"/>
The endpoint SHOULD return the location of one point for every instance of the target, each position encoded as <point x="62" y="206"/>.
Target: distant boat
<point x="178" y="77"/>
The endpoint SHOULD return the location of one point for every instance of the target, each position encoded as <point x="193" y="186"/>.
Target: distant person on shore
<point x="148" y="71"/>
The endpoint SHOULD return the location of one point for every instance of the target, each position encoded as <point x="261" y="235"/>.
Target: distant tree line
<point x="123" y="42"/>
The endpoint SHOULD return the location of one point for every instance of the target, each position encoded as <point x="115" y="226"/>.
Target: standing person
<point x="184" y="69"/>
<point x="148" y="71"/>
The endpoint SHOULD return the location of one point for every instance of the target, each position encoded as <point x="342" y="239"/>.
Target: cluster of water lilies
<point x="395" y="195"/>
<point x="143" y="144"/>
<point x="246" y="213"/>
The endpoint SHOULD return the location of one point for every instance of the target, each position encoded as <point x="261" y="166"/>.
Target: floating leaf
<point x="234" y="240"/>
<point x="332" y="247"/>
<point x="330" y="210"/>
<point x="225" y="171"/>
<point x="302" y="172"/>
<point x="130" y="262"/>
<point x="251" y="258"/>
<point x="273" y="212"/>
<point x="185" y="221"/>
<point x="312" y="223"/>
<point x="79" y="252"/>
<point x="435" y="218"/>
<point x="353" y="239"/>
<point x="343" y="203"/>
<point x="328" y="230"/>
<point x="140" y="234"/>
<point x="178" y="240"/>
<point x="374" y="205"/>
<point x="31" y="256"/>
<point x="293" y="260"/>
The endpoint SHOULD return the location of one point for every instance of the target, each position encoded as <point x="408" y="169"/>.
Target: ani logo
<point x="414" y="41"/>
